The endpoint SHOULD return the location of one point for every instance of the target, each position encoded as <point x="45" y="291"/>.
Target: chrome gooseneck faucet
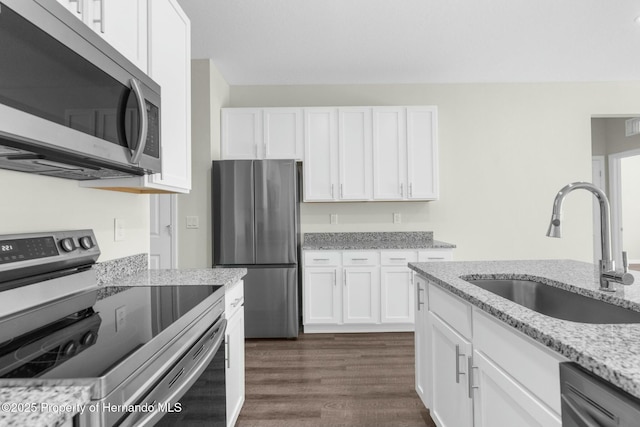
<point x="608" y="273"/>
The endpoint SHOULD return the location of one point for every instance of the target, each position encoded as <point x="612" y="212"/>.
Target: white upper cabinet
<point x="122" y="23"/>
<point x="355" y="153"/>
<point x="389" y="153"/>
<point x="283" y="133"/>
<point x="169" y="64"/>
<point x="320" y="154"/>
<point x="241" y="133"/>
<point x="422" y="153"/>
<point x="262" y="133"/>
<point x="405" y="153"/>
<point x="384" y="153"/>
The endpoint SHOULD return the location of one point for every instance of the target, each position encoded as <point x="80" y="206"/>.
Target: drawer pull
<point x="359" y="259"/>
<point x="321" y="259"/>
<point x="398" y="259"/>
<point x="434" y="257"/>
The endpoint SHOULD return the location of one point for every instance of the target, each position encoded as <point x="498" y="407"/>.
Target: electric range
<point x="133" y="345"/>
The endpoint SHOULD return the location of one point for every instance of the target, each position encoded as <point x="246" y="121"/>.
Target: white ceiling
<point x="416" y="41"/>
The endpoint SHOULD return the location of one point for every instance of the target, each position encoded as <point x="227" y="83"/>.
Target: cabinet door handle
<point x="410" y="189"/>
<point x="344" y="277"/>
<point x="420" y="302"/>
<point x="227" y="343"/>
<point x="332" y="191"/>
<point x="341" y="192"/>
<point x="102" y="18"/>
<point x="458" y="355"/>
<point x="470" y="369"/>
<point x="79" y="6"/>
<point x="265" y="146"/>
<point x="335" y="277"/>
<point x="401" y="189"/>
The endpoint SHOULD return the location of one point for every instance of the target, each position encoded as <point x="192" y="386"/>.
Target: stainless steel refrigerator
<point x="256" y="225"/>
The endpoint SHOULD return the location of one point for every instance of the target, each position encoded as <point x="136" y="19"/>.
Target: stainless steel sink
<point x="556" y="302"/>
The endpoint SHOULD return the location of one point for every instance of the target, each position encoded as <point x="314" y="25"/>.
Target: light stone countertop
<point x="48" y="398"/>
<point x="611" y="351"/>
<point x="372" y="241"/>
<point x="41" y="406"/>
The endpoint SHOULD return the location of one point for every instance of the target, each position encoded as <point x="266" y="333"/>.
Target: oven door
<point x="68" y="99"/>
<point x="192" y="390"/>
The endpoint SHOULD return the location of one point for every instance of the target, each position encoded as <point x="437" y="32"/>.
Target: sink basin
<point x="556" y="302"/>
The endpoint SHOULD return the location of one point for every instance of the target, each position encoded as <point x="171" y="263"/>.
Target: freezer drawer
<point x="271" y="302"/>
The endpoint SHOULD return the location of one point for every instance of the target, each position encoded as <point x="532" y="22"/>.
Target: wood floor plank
<point x="332" y="380"/>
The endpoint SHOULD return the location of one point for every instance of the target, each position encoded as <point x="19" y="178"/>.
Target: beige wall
<point x="32" y="203"/>
<point x="505" y="150"/>
<point x="209" y="93"/>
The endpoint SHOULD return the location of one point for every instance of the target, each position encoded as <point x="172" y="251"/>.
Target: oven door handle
<point x="181" y="383"/>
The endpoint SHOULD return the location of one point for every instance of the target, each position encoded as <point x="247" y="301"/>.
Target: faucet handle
<point x="625" y="262"/>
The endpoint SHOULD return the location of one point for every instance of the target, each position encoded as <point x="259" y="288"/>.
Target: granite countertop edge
<point x="611" y="351"/>
<point x="376" y="245"/>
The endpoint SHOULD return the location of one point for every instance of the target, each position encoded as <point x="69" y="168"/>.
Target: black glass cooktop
<point x="90" y="342"/>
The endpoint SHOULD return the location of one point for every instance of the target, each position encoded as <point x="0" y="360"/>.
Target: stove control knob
<point x="69" y="349"/>
<point x="86" y="242"/>
<point x="67" y="244"/>
<point x="88" y="339"/>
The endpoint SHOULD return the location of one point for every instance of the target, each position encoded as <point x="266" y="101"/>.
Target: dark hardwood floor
<point x="336" y="380"/>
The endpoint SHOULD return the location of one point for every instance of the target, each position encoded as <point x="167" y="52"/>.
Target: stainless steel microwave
<point x="71" y="106"/>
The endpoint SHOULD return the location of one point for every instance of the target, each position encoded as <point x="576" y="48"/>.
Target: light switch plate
<point x="334" y="218"/>
<point x="121" y="317"/>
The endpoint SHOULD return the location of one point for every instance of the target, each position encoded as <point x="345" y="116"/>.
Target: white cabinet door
<point x="422" y="153"/>
<point x="170" y="67"/>
<point x="502" y="401"/>
<point x="235" y="384"/>
<point x="354" y="141"/>
<point x="422" y="343"/>
<point x="389" y="153"/>
<point x="321" y="296"/>
<point x="452" y="404"/>
<point x="122" y="23"/>
<point x="242" y="136"/>
<point x="320" y="154"/>
<point x="283" y="133"/>
<point x="396" y="295"/>
<point x="361" y="295"/>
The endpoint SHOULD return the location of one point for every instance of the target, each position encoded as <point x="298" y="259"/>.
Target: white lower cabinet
<point x="361" y="291"/>
<point x="361" y="297"/>
<point x="422" y="343"/>
<point x="452" y="404"/>
<point x="234" y="342"/>
<point x="473" y="370"/>
<point x="322" y="299"/>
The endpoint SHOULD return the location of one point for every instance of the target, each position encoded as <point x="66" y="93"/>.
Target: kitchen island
<point x="610" y="351"/>
<point x="55" y="402"/>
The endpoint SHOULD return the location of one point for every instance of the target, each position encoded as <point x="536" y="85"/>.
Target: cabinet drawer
<point x="451" y="309"/>
<point x="233" y="298"/>
<point x="321" y="258"/>
<point x="526" y="360"/>
<point x="360" y="258"/>
<point x="433" y="255"/>
<point x="397" y="257"/>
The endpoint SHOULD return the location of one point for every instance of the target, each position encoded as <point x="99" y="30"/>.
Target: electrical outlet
<point x="334" y="218"/>
<point x="118" y="229"/>
<point x="397" y="218"/>
<point x="121" y="317"/>
<point x="193" y="222"/>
